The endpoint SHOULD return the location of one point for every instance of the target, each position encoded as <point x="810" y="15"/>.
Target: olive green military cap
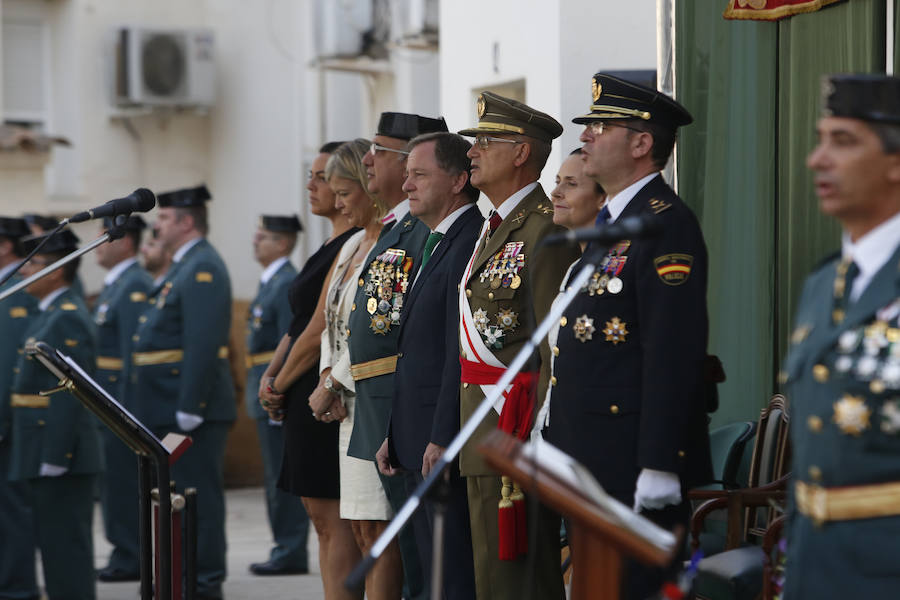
<point x="497" y="114"/>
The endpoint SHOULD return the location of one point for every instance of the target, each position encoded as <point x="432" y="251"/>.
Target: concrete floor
<point x="249" y="541"/>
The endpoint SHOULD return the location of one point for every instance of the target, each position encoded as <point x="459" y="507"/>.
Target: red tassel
<point x="506" y="521"/>
<point x="521" y="509"/>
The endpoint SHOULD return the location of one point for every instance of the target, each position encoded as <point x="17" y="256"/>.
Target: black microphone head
<point x="145" y="200"/>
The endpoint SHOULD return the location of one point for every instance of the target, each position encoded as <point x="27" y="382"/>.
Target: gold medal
<point x="495" y="283"/>
<point x="380" y="324"/>
<point x="516" y="282"/>
<point x="583" y="328"/>
<point x="615" y="331"/>
<point x="371" y="306"/>
<point x="851" y="414"/>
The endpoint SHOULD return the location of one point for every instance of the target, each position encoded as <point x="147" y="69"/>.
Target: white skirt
<point x="362" y="496"/>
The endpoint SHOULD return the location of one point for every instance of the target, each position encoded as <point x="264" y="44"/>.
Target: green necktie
<point x="433" y="238"/>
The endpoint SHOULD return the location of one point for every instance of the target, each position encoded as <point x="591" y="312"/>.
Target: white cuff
<point x="656" y="489"/>
<point x="187" y="421"/>
<point x="48" y="470"/>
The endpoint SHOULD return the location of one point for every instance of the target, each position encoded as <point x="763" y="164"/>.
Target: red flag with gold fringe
<point x="772" y="10"/>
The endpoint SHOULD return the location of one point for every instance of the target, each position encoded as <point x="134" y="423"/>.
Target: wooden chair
<point x="738" y="572"/>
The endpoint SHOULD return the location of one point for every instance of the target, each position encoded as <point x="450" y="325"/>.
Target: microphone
<point x="140" y="200"/>
<point x="623" y="229"/>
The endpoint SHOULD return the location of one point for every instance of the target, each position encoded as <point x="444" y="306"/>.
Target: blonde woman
<point x="363" y="500"/>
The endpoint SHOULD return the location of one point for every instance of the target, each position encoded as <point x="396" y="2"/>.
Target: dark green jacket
<point x="15" y="314"/>
<point x="843" y="390"/>
<point x="375" y="394"/>
<point x="267" y="321"/>
<point x="180" y="353"/>
<point x="118" y="308"/>
<point x="63" y="432"/>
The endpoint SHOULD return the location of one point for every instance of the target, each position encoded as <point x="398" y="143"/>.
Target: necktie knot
<point x="495" y="221"/>
<point x="433" y="238"/>
<point x="604" y="216"/>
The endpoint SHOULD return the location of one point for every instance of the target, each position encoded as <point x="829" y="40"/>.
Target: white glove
<point x="48" y="470"/>
<point x="656" y="489"/>
<point x="187" y="421"/>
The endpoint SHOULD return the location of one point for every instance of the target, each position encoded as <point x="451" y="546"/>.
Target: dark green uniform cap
<point x="184" y="198"/>
<point x="14" y="227"/>
<point x="406" y="126"/>
<point x="280" y="223"/>
<point x="497" y="114"/>
<point x="44" y="223"/>
<point x="615" y="98"/>
<point x="132" y="223"/>
<point x="63" y="242"/>
<point x="867" y="97"/>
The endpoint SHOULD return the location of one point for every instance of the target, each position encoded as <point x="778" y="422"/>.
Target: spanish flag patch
<point x="673" y="269"/>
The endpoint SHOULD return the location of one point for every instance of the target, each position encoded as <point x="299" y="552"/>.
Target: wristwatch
<point x="329" y="385"/>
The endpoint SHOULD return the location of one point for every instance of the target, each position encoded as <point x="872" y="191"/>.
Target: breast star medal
<point x="584" y="328"/>
<point x="380" y="324"/>
<point x="493" y="337"/>
<point x="851" y="414"/>
<point x="507" y="320"/>
<point x="615" y="331"/>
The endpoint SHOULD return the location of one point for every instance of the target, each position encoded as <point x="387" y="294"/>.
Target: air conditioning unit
<point x="164" y="67"/>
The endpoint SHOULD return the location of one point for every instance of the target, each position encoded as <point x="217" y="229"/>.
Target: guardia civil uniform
<point x="267" y="322"/>
<point x="374" y="326"/>
<point x="506" y="288"/>
<point x="842" y="377"/>
<point x="55" y="445"/>
<point x="117" y="308"/>
<point x="180" y="371"/>
<point x="17" y="573"/>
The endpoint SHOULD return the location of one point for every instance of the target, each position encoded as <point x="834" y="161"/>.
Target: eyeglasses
<point x="597" y="127"/>
<point x="484" y="141"/>
<point x="375" y="148"/>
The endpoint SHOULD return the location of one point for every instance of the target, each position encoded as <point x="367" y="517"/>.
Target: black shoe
<point x="113" y="574"/>
<point x="273" y="568"/>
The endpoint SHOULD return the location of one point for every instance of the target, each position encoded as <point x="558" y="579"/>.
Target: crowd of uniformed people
<point x="362" y="365"/>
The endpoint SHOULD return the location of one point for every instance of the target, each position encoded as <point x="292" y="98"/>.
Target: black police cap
<point x="63" y="242"/>
<point x="14" y="227"/>
<point x="132" y="223"/>
<point x="867" y="97"/>
<point x="615" y="98"/>
<point x="280" y="223"/>
<point x="405" y="126"/>
<point x="184" y="198"/>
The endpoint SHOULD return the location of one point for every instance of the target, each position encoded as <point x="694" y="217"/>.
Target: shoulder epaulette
<point x="68" y="306"/>
<point x="658" y="206"/>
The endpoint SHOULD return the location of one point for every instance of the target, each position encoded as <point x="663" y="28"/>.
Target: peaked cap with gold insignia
<point x="615" y="98"/>
<point x="497" y="114"/>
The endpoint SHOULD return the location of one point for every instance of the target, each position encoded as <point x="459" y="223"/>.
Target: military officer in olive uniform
<point x="626" y="397"/>
<point x="17" y="574"/>
<point x="270" y="316"/>
<point x="842" y="372"/>
<point x="375" y="316"/>
<point x="507" y="287"/>
<point x="180" y="378"/>
<point x="117" y="309"/>
<point x="55" y="445"/>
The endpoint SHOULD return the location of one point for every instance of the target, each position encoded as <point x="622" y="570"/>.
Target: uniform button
<point x="68" y="455"/>
<point x="463" y="354"/>
<point x="143" y="319"/>
<point x="614" y="409"/>
<point x="135" y="337"/>
<point x="563" y="321"/>
<point x="468" y="293"/>
<point x="348" y="332"/>
<point x="41" y="422"/>
<point x="203" y="405"/>
<point x="814" y="423"/>
<point x="457" y="288"/>
<point x="815" y="473"/>
<point x="112" y="377"/>
<point x="361" y="282"/>
<point x="490" y="295"/>
<point x="555" y="350"/>
<point x="465" y="386"/>
<point x="174" y="371"/>
<point x="877" y="386"/>
<point x="399" y="355"/>
<point x="681" y="454"/>
<point x="782" y="377"/>
<point x="353" y="307"/>
<point x="553" y="380"/>
<point x="820" y="373"/>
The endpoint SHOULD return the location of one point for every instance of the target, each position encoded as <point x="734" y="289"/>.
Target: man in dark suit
<point x="505" y="290"/>
<point x="180" y="377"/>
<point x="425" y="410"/>
<point x="55" y="445"/>
<point x="842" y="373"/>
<point x="17" y="574"/>
<point x="269" y="318"/>
<point x="118" y="307"/>
<point x="379" y="302"/>
<point x="626" y="398"/>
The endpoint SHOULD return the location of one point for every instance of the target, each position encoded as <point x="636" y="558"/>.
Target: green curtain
<point x="726" y="173"/>
<point x="753" y="88"/>
<point x="804" y="235"/>
<point x="896" y="36"/>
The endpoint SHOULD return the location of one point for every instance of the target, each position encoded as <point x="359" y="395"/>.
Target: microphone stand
<point x="113" y="233"/>
<point x="356" y="579"/>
